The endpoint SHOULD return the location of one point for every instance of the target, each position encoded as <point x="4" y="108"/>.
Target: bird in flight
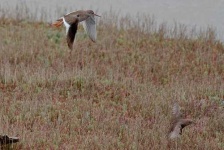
<point x="178" y="122"/>
<point x="71" y="22"/>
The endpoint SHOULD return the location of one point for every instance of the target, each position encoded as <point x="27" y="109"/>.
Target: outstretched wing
<point x="176" y="131"/>
<point x="176" y="111"/>
<point x="90" y="27"/>
<point x="71" y="34"/>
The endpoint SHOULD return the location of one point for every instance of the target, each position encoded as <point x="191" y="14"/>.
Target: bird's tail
<point x="57" y="23"/>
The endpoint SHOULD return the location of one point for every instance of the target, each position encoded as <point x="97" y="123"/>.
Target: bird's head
<point x="91" y="13"/>
<point x="83" y="15"/>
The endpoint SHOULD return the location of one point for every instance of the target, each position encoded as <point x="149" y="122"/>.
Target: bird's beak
<point x="97" y="15"/>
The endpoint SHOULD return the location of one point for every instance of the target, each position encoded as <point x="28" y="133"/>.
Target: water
<point x="199" y="13"/>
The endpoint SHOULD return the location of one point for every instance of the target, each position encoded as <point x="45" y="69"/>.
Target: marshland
<point x="117" y="93"/>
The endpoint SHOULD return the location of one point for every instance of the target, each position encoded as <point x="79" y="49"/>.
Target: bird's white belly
<point x="67" y="26"/>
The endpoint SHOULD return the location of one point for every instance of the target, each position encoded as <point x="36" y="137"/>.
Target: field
<point x="116" y="93"/>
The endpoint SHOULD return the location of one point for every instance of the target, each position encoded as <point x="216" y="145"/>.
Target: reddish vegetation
<point x="113" y="94"/>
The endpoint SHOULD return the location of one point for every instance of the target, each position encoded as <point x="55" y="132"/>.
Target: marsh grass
<point x="113" y="94"/>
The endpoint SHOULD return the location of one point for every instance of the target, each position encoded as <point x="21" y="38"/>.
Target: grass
<point x="113" y="94"/>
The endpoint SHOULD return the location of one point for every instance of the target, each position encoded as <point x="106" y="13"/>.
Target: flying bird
<point x="71" y="22"/>
<point x="178" y="122"/>
<point x="4" y="139"/>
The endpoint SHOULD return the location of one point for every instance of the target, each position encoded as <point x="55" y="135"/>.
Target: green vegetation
<point x="113" y="94"/>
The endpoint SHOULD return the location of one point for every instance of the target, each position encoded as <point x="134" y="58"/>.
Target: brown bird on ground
<point x="178" y="122"/>
<point x="8" y="140"/>
<point x="71" y="21"/>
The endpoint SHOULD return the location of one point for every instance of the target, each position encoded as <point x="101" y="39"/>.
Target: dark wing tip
<point x="70" y="43"/>
<point x="93" y="40"/>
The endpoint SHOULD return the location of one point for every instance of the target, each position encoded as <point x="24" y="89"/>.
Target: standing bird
<point x="71" y="21"/>
<point x="4" y="139"/>
<point x="178" y="122"/>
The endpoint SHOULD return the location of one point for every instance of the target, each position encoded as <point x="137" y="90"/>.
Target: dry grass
<point x="113" y="94"/>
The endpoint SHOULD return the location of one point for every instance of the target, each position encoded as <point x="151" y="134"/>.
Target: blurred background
<point x="192" y="13"/>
